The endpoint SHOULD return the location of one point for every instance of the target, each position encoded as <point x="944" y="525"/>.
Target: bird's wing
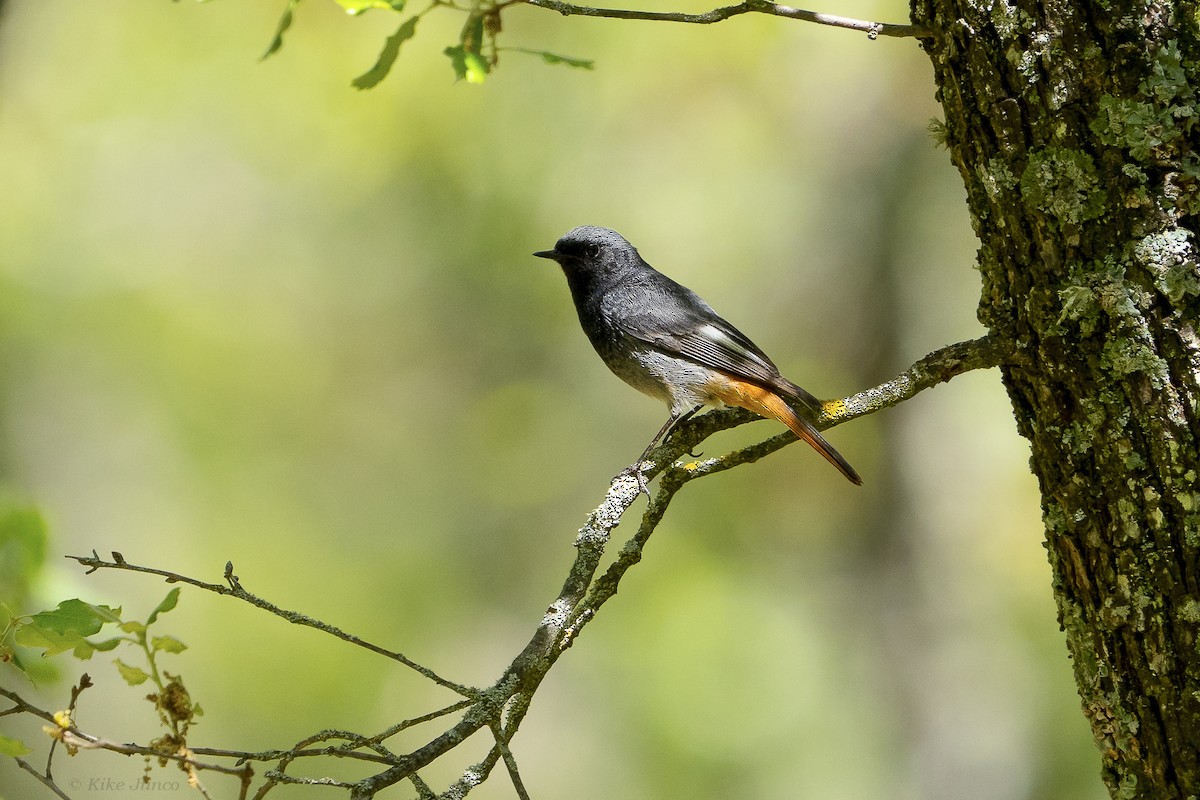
<point x="684" y="325"/>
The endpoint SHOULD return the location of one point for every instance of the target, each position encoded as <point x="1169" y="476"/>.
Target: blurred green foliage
<point x="22" y="552"/>
<point x="248" y="313"/>
<point x="472" y="58"/>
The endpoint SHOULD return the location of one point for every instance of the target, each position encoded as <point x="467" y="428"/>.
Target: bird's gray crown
<point x="588" y="241"/>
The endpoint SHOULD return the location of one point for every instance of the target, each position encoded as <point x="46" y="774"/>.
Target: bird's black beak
<point x="550" y="254"/>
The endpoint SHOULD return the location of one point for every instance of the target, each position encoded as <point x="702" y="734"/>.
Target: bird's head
<point x="589" y="249"/>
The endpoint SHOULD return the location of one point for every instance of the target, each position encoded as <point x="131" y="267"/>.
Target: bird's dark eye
<point x="592" y="250"/>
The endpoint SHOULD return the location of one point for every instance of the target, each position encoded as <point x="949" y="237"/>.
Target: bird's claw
<point x="635" y="471"/>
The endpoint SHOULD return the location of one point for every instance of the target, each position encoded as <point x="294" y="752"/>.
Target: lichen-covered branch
<point x="503" y="706"/>
<point x="937" y="367"/>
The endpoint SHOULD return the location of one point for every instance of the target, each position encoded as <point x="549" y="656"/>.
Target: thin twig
<point x="85" y="741"/>
<point x="872" y="29"/>
<point x="85" y="682"/>
<point x="234" y="589"/>
<point x="510" y="761"/>
<point x="25" y="707"/>
<point x="423" y="790"/>
<point x="45" y="781"/>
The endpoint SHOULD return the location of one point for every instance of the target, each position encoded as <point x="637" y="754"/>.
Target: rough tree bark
<point x="1074" y="126"/>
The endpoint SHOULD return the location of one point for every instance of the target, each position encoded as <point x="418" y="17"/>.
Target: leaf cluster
<point x="77" y="627"/>
<point x="472" y="58"/>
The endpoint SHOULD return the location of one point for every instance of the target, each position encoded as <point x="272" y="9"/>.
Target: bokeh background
<point x="248" y="313"/>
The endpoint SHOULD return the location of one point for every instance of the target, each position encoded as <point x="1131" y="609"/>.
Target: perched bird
<point x="664" y="341"/>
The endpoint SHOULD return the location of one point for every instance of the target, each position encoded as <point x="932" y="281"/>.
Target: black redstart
<point x="664" y="341"/>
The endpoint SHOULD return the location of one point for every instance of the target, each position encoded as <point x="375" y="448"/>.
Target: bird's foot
<point x="635" y="470"/>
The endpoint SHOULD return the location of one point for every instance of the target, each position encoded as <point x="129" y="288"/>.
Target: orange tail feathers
<point x="767" y="404"/>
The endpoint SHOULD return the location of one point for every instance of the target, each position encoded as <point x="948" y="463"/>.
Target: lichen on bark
<point x="1075" y="130"/>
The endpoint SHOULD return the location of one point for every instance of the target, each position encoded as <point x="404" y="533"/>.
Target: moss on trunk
<point x="1075" y="129"/>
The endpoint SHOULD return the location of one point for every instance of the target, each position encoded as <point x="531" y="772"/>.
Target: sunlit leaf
<point x="107" y="644"/>
<point x="477" y="68"/>
<point x="166" y="605"/>
<point x="285" y="22"/>
<point x="13" y="747"/>
<point x="65" y="627"/>
<point x="82" y="650"/>
<point x="76" y="616"/>
<point x="132" y="675"/>
<point x="387" y="56"/>
<point x="355" y="7"/>
<point x="468" y="66"/>
<point x="168" y="644"/>
<point x="50" y="641"/>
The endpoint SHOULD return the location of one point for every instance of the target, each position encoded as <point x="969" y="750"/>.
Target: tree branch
<point x="45" y="781"/>
<point x="234" y="589"/>
<point x="872" y="29"/>
<point x="503" y="706"/>
<point x="937" y="367"/>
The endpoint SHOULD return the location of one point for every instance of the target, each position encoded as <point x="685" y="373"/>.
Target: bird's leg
<point x="668" y="427"/>
<point x="664" y="434"/>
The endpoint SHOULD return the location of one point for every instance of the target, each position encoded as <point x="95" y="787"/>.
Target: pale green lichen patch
<point x="1126" y="355"/>
<point x="1129" y="124"/>
<point x="1156" y="126"/>
<point x="1062" y="183"/>
<point x="1171" y="258"/>
<point x="1009" y="20"/>
<point x="1189" y="611"/>
<point x="996" y="177"/>
<point x="1096" y="294"/>
<point x="1129" y="518"/>
<point x="1090" y="423"/>
<point x="1079" y="306"/>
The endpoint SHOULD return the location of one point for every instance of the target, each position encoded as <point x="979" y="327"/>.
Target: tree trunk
<point x="1074" y="127"/>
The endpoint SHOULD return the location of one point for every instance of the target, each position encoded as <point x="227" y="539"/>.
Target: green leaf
<point x="168" y="644"/>
<point x="356" y="7"/>
<point x="285" y="22"/>
<point x="13" y="747"/>
<point x="107" y="644"/>
<point x="471" y="37"/>
<point x="166" y="605"/>
<point x="49" y="641"/>
<point x="387" y="56"/>
<point x="76" y="616"/>
<point x="554" y="58"/>
<point x="65" y="627"/>
<point x="71" y="616"/>
<point x="133" y="626"/>
<point x="132" y="675"/>
<point x="468" y="66"/>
